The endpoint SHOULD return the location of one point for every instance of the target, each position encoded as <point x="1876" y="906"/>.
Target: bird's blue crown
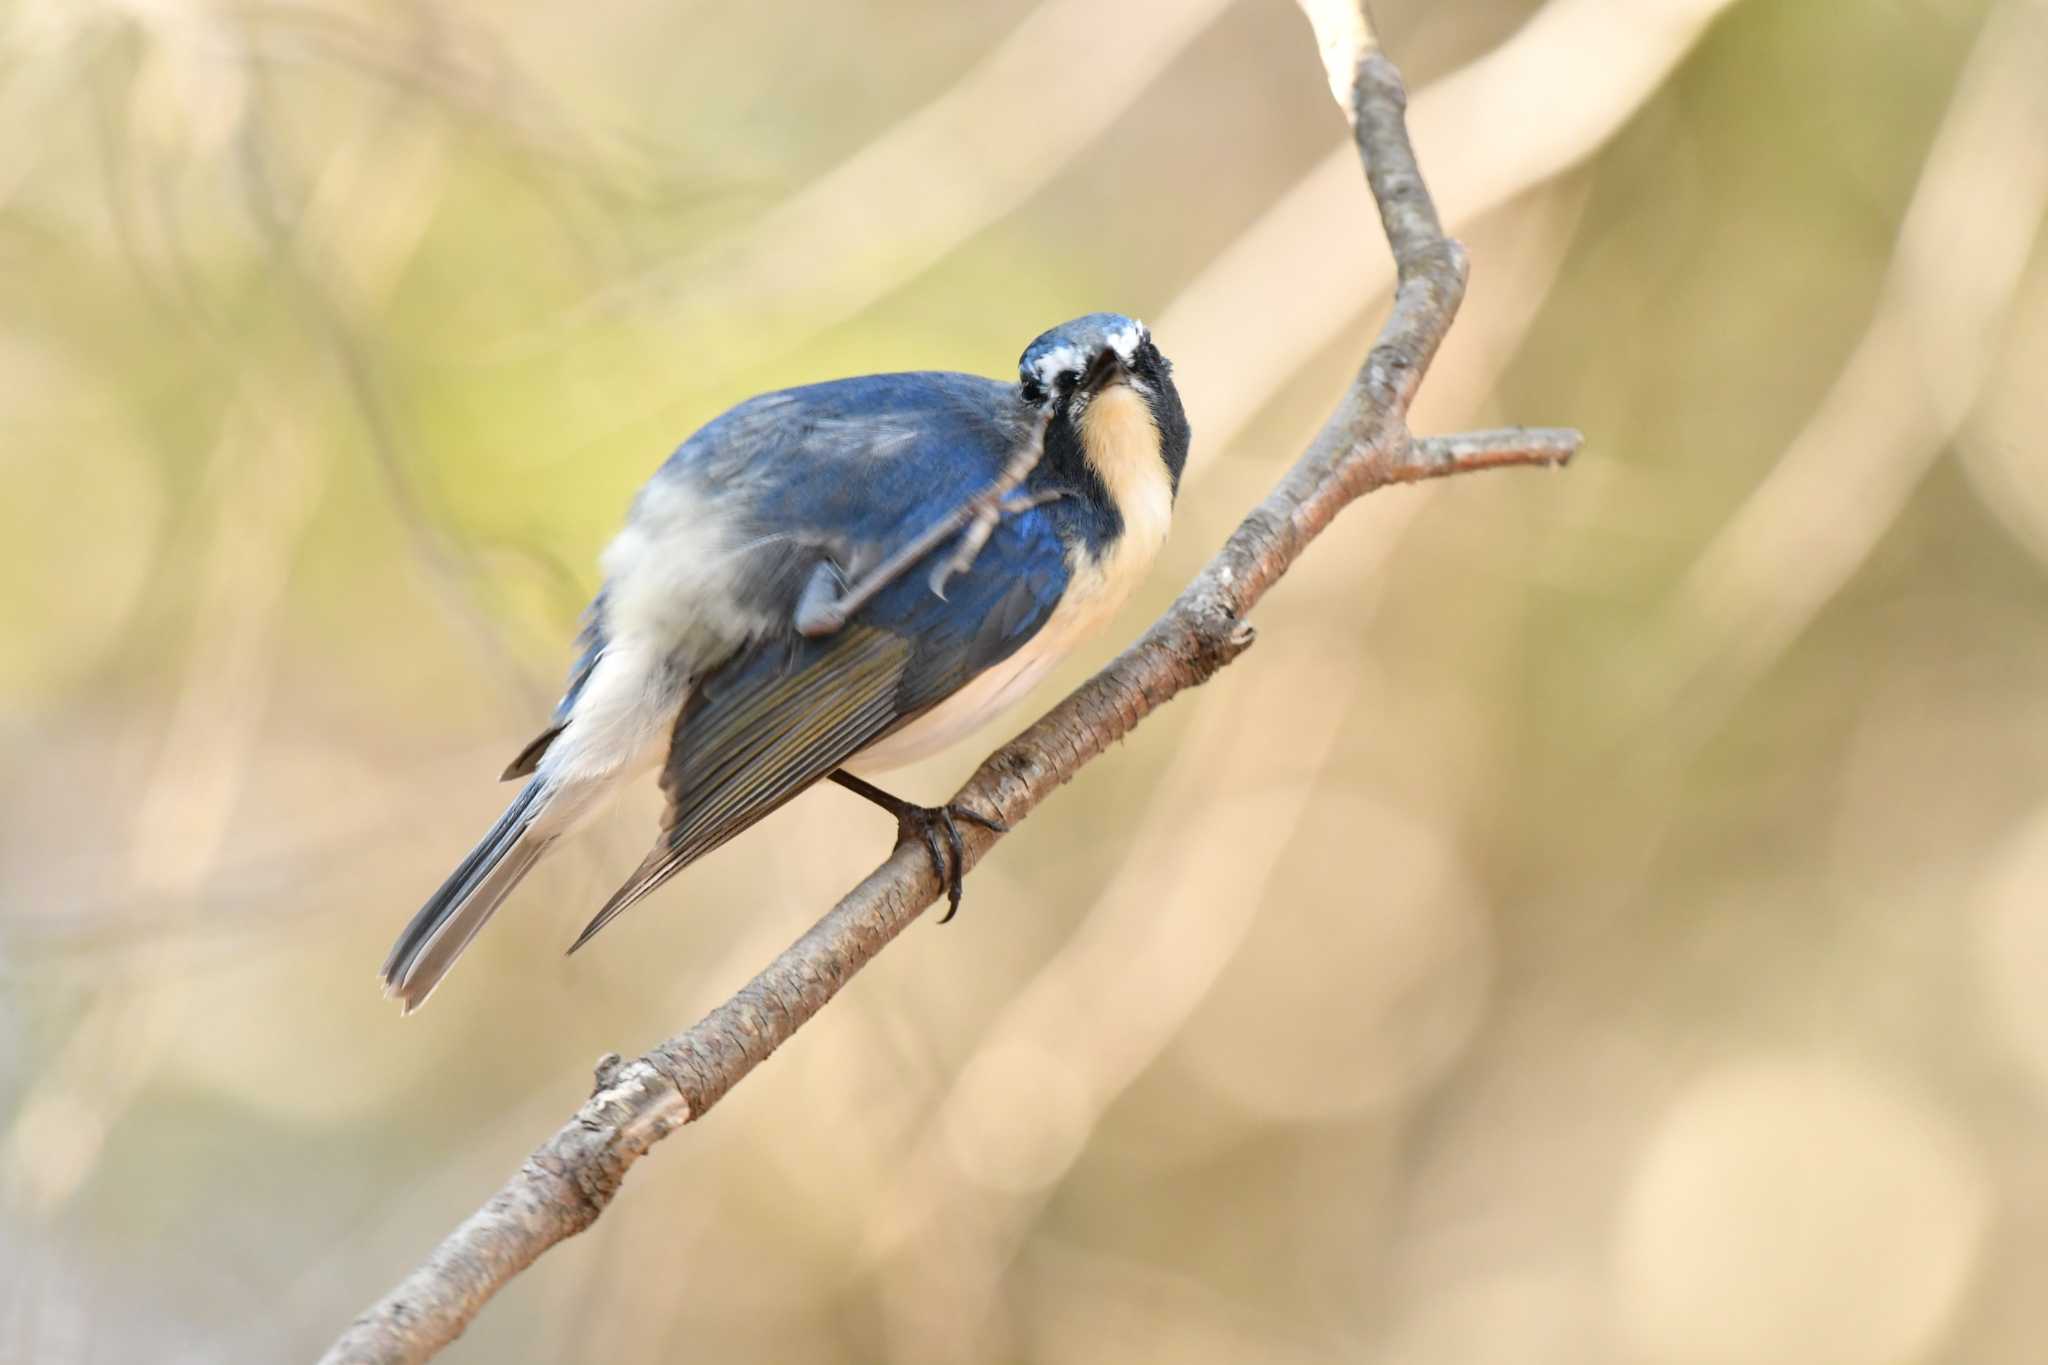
<point x="1068" y="347"/>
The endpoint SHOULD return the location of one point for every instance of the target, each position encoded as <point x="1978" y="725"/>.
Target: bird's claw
<point x="985" y="510"/>
<point x="828" y="601"/>
<point x="927" y="823"/>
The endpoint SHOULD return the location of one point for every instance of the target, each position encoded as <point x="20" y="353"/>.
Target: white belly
<point x="992" y="691"/>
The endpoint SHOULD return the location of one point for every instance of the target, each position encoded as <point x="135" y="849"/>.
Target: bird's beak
<point x="1106" y="369"/>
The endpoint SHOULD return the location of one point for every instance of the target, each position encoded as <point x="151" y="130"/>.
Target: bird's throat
<point x="1120" y="440"/>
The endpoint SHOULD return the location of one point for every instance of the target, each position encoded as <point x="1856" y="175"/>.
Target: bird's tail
<point x="542" y="812"/>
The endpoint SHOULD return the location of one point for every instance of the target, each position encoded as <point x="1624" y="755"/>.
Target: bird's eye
<point x="1034" y="392"/>
<point x="1066" y="381"/>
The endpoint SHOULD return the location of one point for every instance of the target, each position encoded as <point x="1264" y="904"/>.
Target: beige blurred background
<point x="1603" y="920"/>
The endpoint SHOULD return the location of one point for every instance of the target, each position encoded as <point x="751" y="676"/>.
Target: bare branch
<point x="1365" y="444"/>
<point x="1434" y="457"/>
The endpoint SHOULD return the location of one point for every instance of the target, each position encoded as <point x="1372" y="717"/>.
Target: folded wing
<point x="787" y="711"/>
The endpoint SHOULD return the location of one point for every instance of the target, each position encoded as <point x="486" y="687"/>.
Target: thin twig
<point x="1365" y="444"/>
<point x="1435" y="457"/>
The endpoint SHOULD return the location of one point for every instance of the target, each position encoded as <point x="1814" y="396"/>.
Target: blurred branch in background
<point x="566" y="1183"/>
<point x="176" y="94"/>
<point x="266" y="477"/>
<point x="269" y="481"/>
<point x="1906" y="394"/>
<point x="1909" y="387"/>
<point x="838" y="246"/>
<point x="182" y="94"/>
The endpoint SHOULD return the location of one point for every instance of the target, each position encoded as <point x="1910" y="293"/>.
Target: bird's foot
<point x="929" y="825"/>
<point x="985" y="510"/>
<point x="828" y="601"/>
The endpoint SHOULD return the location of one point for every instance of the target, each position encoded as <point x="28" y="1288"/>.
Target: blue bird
<point x="848" y="574"/>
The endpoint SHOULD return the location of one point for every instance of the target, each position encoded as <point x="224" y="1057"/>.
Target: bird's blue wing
<point x="788" y="709"/>
<point x="871" y="458"/>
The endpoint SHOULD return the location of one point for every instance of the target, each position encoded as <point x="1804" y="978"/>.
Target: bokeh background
<point x="1604" y="919"/>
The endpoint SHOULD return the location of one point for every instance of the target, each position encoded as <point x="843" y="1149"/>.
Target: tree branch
<point x="1434" y="457"/>
<point x="1365" y="444"/>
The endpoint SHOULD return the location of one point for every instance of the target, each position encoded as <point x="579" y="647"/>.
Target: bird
<point x="827" y="582"/>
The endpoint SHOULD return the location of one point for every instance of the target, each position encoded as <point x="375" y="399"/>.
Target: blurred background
<point x="1603" y="920"/>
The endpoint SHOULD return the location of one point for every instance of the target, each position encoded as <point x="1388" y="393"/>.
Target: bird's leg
<point x="985" y="510"/>
<point x="828" y="603"/>
<point x="927" y="823"/>
<point x="993" y="503"/>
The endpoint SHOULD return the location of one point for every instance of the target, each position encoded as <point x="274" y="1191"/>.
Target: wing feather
<point x="756" y="736"/>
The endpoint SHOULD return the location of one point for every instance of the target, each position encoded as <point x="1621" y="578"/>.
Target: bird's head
<point x="1110" y="400"/>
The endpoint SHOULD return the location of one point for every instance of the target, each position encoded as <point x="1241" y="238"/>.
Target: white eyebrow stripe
<point x="1125" y="341"/>
<point x="1056" y="362"/>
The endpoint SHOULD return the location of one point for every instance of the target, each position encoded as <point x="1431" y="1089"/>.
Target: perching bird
<point x="856" y="572"/>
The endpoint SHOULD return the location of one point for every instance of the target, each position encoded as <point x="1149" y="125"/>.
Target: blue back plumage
<point x="852" y="468"/>
<point x="857" y="467"/>
<point x="856" y="456"/>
